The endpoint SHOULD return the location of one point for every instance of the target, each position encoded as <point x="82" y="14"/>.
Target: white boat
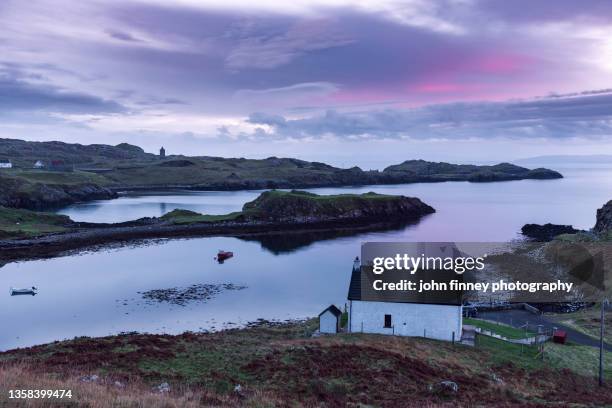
<point x="28" y="291"/>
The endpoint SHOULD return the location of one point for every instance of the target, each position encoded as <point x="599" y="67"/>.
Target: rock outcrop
<point x="604" y="218"/>
<point x="17" y="193"/>
<point x="301" y="206"/>
<point x="546" y="232"/>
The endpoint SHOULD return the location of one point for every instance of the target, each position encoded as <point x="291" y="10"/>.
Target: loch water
<point x="285" y="276"/>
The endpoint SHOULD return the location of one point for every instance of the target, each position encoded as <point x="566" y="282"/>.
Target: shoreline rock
<point x="547" y="232"/>
<point x="604" y="219"/>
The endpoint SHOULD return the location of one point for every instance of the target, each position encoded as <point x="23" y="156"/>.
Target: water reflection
<point x="288" y="242"/>
<point x="286" y="275"/>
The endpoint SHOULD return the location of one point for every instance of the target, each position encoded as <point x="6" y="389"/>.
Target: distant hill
<point x="422" y="170"/>
<point x="24" y="154"/>
<point x="128" y="167"/>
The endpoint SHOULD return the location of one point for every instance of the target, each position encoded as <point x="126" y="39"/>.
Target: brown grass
<point x="105" y="393"/>
<point x="284" y="366"/>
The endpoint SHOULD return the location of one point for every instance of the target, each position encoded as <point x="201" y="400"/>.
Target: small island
<point x="30" y="234"/>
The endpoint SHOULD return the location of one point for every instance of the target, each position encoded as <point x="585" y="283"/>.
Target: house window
<point x="387" y="321"/>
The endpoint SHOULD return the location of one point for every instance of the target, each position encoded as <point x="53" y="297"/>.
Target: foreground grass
<point x="501" y="329"/>
<point x="282" y="366"/>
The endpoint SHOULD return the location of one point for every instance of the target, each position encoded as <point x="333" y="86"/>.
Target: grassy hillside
<point x="587" y="321"/>
<point x="130" y="167"/>
<point x="300" y="205"/>
<point x="277" y="366"/>
<point x="23" y="223"/>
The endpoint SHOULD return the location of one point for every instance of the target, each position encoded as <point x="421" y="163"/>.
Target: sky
<point x="348" y="82"/>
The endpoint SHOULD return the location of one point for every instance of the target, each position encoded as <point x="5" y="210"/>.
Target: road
<point x="518" y="317"/>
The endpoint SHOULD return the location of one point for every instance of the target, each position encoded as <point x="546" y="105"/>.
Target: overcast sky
<point x="343" y="81"/>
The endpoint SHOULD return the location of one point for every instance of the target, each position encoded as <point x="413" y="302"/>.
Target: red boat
<point x="223" y="255"/>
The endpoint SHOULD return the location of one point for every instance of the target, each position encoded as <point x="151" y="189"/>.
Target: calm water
<point x="286" y="277"/>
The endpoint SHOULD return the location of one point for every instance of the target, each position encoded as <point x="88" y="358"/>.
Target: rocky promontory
<point x="29" y="234"/>
<point x="17" y="192"/>
<point x="300" y="206"/>
<point x="604" y="219"/>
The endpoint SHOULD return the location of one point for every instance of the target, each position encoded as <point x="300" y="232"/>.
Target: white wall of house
<point x="408" y="319"/>
<point x="328" y="323"/>
<point x="6" y="165"/>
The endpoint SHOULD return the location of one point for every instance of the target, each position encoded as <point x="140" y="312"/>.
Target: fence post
<point x="453" y="338"/>
<point x="425" y="333"/>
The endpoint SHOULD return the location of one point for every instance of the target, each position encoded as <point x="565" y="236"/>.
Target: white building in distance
<point x="6" y="164"/>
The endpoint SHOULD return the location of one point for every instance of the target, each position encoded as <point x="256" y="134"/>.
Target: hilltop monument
<point x="162" y="153"/>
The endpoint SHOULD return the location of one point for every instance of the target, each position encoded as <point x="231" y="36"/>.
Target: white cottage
<point x="6" y="164"/>
<point x="329" y="320"/>
<point x="435" y="315"/>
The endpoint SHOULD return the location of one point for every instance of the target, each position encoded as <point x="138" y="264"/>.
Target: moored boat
<point x="25" y="291"/>
<point x="223" y="255"/>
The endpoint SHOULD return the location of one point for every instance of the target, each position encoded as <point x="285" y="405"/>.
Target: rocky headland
<point x="29" y="234"/>
<point x="603" y="223"/>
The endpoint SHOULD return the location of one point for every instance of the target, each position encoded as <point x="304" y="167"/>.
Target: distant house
<point x="329" y="320"/>
<point x="162" y="153"/>
<point x="420" y="315"/>
<point x="39" y="164"/>
<point x="5" y="164"/>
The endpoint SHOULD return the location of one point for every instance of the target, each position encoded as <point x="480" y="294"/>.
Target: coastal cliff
<point x="604" y="219"/>
<point x="18" y="192"/>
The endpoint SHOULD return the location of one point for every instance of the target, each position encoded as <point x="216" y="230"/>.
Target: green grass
<point x="583" y="360"/>
<point x="501" y="329"/>
<point x="56" y="177"/>
<point x="182" y="217"/>
<point x="586" y="321"/>
<point x="331" y="197"/>
<point x="24" y="223"/>
<point x="503" y="352"/>
<point x="270" y="201"/>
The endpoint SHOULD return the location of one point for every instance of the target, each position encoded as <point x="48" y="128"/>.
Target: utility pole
<point x="601" y="341"/>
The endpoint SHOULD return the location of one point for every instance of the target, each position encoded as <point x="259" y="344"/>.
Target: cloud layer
<point x="306" y="70"/>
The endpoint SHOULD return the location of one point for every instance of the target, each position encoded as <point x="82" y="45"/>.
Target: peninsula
<point x="30" y="234"/>
<point x="53" y="174"/>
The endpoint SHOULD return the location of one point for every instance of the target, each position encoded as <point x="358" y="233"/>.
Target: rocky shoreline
<point x="548" y="232"/>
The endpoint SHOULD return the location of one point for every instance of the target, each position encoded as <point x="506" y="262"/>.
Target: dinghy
<point x="223" y="255"/>
<point x="31" y="291"/>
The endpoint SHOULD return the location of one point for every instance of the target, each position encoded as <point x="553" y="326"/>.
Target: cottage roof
<point x="361" y="285"/>
<point x="333" y="309"/>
